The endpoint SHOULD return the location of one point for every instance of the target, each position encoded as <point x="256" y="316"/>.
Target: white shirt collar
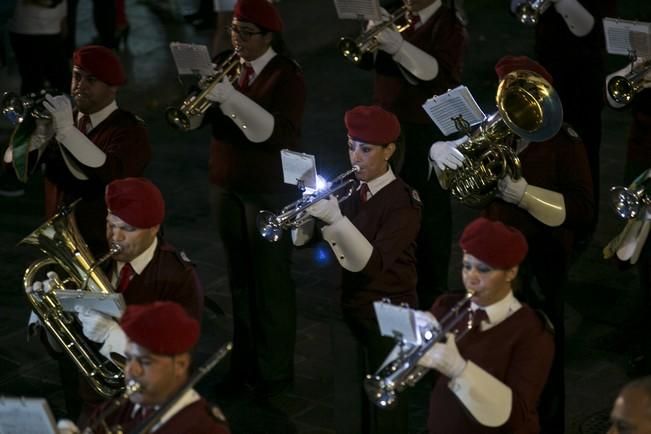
<point x="380" y="182"/>
<point x="189" y="397"/>
<point x="498" y="312"/>
<point x="259" y="63"/>
<point x="98" y="117"/>
<point x="142" y="260"/>
<point x="426" y="13"/>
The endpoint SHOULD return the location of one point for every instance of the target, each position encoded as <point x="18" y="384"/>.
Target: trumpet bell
<point x="379" y="392"/>
<point x="268" y="225"/>
<point x="621" y="90"/>
<point x="349" y="49"/>
<point x="628" y="204"/>
<point x="12" y="107"/>
<point x="526" y="14"/>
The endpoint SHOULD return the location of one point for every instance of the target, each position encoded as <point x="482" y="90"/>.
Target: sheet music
<point x="109" y="304"/>
<point x="358" y="10"/>
<point x="396" y="321"/>
<point x="191" y="59"/>
<point x="626" y="36"/>
<point x="26" y="416"/>
<point x="443" y="109"/>
<point x="298" y="166"/>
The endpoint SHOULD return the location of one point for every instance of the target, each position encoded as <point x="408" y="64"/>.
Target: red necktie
<point x="245" y="76"/>
<point x="125" y="277"/>
<point x="364" y="192"/>
<point x="84" y="124"/>
<point x="478" y="316"/>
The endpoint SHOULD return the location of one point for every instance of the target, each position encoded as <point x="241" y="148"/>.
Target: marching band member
<point x="549" y="204"/>
<point x="492" y="378"/>
<point x="97" y="142"/>
<point x="160" y="338"/>
<point x="631" y="409"/>
<point x="251" y="122"/>
<point x="373" y="236"/>
<point x="410" y="67"/>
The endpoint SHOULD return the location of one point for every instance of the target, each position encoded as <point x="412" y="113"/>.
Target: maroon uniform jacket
<point x="518" y="352"/>
<point x="197" y="418"/>
<point x="559" y="164"/>
<point x="123" y="137"/>
<point x="239" y="164"/>
<point x="390" y="221"/>
<point x="445" y="38"/>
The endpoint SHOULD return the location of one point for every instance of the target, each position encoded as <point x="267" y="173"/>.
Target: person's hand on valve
<point x="47" y="285"/>
<point x="326" y="210"/>
<point x="446" y="155"/>
<point x="96" y="326"/>
<point x="61" y="110"/>
<point x="445" y="358"/>
<point x="221" y="92"/>
<point x="511" y="190"/>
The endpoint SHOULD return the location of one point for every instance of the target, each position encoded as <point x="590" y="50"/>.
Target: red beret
<point x="101" y="62"/>
<point x="494" y="243"/>
<point x="515" y="63"/>
<point x="372" y="124"/>
<point x="163" y="327"/>
<point x="259" y="12"/>
<point x="137" y="201"/>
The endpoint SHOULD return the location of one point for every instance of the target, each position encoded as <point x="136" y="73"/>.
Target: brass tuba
<point x="60" y="241"/>
<point x="353" y="49"/>
<point x="188" y="116"/>
<point x="622" y="89"/>
<point x="529" y="11"/>
<point x="527" y="106"/>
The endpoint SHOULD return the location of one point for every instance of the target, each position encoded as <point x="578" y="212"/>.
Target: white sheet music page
<point x="396" y="321"/>
<point x="109" y="304"/>
<point x="625" y="36"/>
<point x="443" y="109"/>
<point x="191" y="59"/>
<point x="358" y="10"/>
<point x="26" y="416"/>
<point x="298" y="166"/>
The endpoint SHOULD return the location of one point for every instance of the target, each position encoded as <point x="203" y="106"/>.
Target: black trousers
<point x="263" y="293"/>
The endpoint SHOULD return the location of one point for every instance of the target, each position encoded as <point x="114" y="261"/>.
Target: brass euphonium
<point x="404" y="371"/>
<point x="354" y="49"/>
<point x="529" y="11"/>
<point x="622" y="89"/>
<point x="527" y="106"/>
<point x="60" y="241"/>
<point x="188" y="116"/>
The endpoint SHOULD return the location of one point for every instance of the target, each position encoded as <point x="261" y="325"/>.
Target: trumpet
<point x="353" y="49"/>
<point x="628" y="203"/>
<point x="622" y="89"/>
<point x="271" y="225"/>
<point x="188" y="116"/>
<point x="16" y="108"/>
<point x="383" y="386"/>
<point x="529" y="11"/>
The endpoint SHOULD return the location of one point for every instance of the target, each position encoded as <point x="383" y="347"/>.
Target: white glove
<point x="96" y="326"/>
<point x="221" y="92"/>
<point x="511" y="190"/>
<point x="61" y="110"/>
<point x="66" y="426"/>
<point x="389" y="41"/>
<point x="578" y="19"/>
<point x="326" y="210"/>
<point x="445" y="358"/>
<point x="52" y="281"/>
<point x="446" y="155"/>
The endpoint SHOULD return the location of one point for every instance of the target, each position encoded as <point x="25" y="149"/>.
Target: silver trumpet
<point x="404" y="371"/>
<point x="529" y="11"/>
<point x="271" y="225"/>
<point x="622" y="89"/>
<point x="628" y="203"/>
<point x="16" y="108"/>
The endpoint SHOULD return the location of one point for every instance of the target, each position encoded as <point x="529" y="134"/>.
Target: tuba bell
<point x="622" y="89"/>
<point x="528" y="107"/>
<point x="529" y="11"/>
<point x="354" y="49"/>
<point x="60" y="241"/>
<point x="188" y="116"/>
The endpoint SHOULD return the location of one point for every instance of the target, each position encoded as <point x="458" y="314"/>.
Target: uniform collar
<point x="98" y="117"/>
<point x="259" y="63"/>
<point x="498" y="312"/>
<point x="380" y="182"/>
<point x="142" y="260"/>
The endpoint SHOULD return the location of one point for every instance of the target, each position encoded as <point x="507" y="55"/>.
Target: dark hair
<point x="398" y="158"/>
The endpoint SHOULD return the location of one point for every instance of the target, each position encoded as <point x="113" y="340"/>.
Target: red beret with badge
<point x="372" y="124"/>
<point x="517" y="63"/>
<point x="101" y="62"/>
<point x="494" y="243"/>
<point x="262" y="13"/>
<point x="137" y="201"/>
<point x="163" y="327"/>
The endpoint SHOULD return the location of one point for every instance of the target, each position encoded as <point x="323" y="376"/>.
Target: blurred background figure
<point x="631" y="412"/>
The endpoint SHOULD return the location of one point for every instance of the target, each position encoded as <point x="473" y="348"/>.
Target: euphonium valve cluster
<point x="622" y="88"/>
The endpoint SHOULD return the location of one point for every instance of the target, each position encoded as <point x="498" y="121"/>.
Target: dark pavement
<point x="599" y="299"/>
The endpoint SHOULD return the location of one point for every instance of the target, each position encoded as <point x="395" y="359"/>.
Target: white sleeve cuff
<point x="81" y="147"/>
<point x="349" y="245"/>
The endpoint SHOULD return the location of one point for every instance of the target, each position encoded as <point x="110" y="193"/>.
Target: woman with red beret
<point x="373" y="236"/>
<point x="491" y="380"/>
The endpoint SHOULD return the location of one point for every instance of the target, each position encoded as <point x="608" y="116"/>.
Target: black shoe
<point x="10" y="186"/>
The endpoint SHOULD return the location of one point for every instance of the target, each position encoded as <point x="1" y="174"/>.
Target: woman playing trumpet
<point x="373" y="236"/>
<point x="491" y="380"/>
